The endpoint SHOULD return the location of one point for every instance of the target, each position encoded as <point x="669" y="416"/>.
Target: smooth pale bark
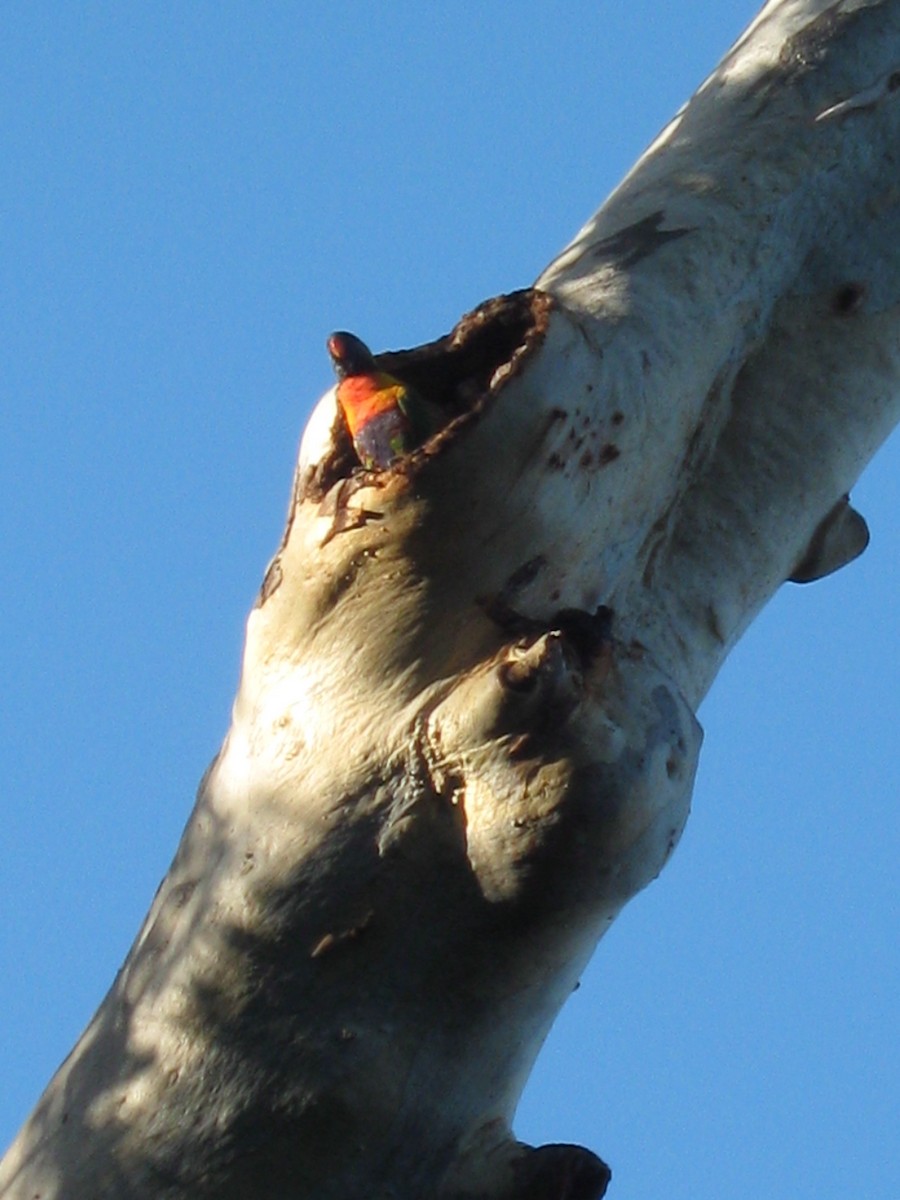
<point x="464" y="734"/>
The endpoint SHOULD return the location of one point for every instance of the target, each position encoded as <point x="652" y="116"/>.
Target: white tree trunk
<point x="465" y="734"/>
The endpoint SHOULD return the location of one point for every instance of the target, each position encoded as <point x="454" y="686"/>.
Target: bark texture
<point x="464" y="735"/>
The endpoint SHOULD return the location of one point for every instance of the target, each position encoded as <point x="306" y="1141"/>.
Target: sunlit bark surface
<point x="465" y="735"/>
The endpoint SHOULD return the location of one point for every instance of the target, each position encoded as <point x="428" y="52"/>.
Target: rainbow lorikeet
<point x="385" y="417"/>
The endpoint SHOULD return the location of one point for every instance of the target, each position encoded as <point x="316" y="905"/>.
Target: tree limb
<point x="464" y="735"/>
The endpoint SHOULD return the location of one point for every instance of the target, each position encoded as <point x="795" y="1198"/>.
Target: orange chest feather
<point x="363" y="397"/>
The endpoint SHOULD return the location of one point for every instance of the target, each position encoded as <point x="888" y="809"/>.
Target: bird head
<point x="349" y="355"/>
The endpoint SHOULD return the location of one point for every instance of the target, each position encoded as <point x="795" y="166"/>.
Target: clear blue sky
<point x="191" y="197"/>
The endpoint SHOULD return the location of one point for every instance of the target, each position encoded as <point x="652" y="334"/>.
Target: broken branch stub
<point x="527" y="772"/>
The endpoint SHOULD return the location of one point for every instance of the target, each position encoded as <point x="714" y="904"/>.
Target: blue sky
<point x="191" y="197"/>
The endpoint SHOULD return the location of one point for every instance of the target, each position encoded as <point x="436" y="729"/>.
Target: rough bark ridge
<point x="464" y="734"/>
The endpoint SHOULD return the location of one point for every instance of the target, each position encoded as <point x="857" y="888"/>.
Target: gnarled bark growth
<point x="465" y="733"/>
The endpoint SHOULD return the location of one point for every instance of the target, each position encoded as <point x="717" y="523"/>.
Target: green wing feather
<point x="421" y="416"/>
